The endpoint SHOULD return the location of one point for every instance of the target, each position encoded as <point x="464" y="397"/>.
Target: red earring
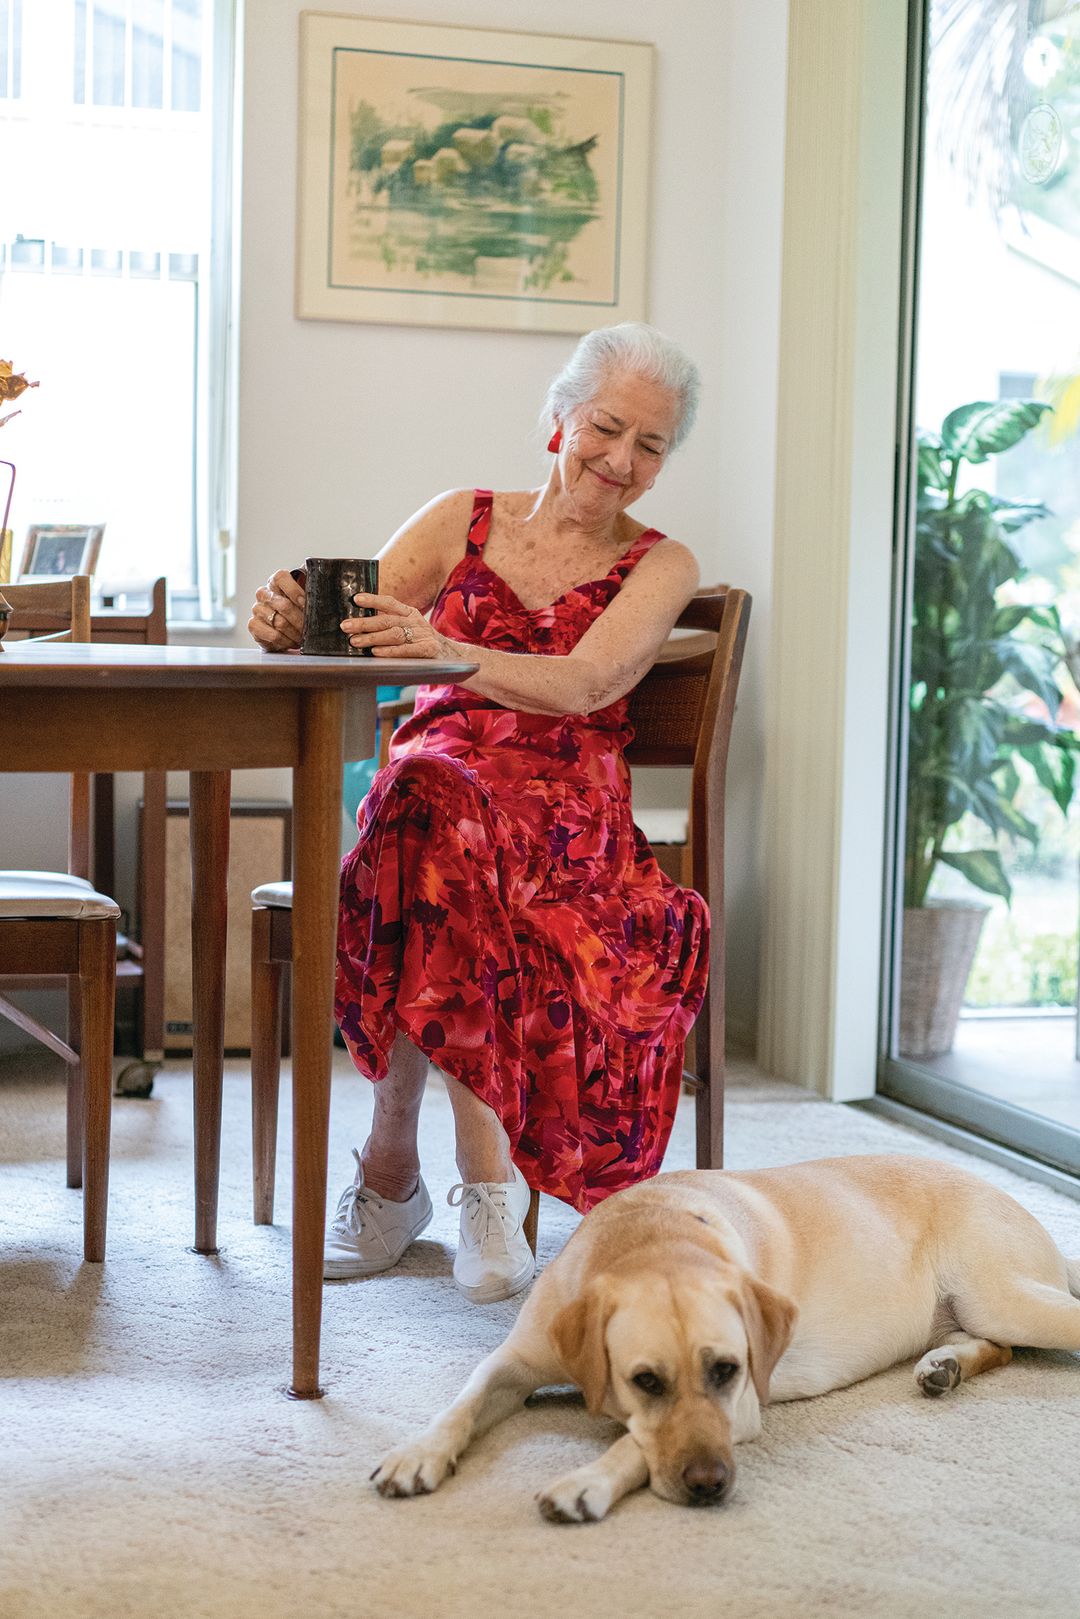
<point x="555" y="441"/>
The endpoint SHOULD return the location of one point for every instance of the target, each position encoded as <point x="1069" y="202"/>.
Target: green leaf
<point x="975" y="432"/>
<point x="972" y="736"/>
<point x="930" y="472"/>
<point x="1022" y="733"/>
<point x="1008" y="778"/>
<point x="1059" y="782"/>
<point x="1013" y="514"/>
<point x="983" y="868"/>
<point x="1030" y="666"/>
<point x="1005" y="619"/>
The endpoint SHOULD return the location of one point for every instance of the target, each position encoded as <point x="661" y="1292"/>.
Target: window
<point x="115" y="285"/>
<point x="10" y="49"/>
<point x="989" y="835"/>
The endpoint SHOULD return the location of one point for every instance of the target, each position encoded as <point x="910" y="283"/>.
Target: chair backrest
<point x="59" y="610"/>
<point x="688" y="684"/>
<point x="682" y="712"/>
<point x="50" y="610"/>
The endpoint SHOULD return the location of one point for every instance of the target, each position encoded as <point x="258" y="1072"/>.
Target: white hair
<point x="633" y="347"/>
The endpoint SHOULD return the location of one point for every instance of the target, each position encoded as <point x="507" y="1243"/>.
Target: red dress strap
<point x="630" y="558"/>
<point x="480" y="521"/>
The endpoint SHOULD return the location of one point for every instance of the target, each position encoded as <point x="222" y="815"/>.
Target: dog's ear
<point x="770" y="1319"/>
<point x="578" y="1334"/>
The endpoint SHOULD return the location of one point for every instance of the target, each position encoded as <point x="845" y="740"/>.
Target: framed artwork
<point x="56" y="550"/>
<point x="464" y="177"/>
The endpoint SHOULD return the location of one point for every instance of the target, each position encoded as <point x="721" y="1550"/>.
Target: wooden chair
<point x="682" y="713"/>
<point x="54" y="924"/>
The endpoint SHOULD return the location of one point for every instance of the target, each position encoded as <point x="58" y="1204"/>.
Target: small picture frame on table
<point x="57" y="550"/>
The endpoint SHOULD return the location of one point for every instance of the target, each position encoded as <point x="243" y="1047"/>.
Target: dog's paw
<point x="580" y="1497"/>
<point x="414" y="1469"/>
<point x="937" y="1373"/>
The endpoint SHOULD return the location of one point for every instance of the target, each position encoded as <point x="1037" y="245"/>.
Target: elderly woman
<point x="501" y="916"/>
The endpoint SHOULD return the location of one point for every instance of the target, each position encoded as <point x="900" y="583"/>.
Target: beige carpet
<point x="150" y="1466"/>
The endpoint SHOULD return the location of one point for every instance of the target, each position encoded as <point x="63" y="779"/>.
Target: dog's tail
<point x="1073" y="1268"/>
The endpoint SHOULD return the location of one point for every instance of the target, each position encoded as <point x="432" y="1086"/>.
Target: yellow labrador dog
<point x="682" y="1306"/>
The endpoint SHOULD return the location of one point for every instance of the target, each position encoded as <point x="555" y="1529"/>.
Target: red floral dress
<point x="501" y="908"/>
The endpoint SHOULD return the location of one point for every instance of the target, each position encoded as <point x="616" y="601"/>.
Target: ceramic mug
<point x="330" y="583"/>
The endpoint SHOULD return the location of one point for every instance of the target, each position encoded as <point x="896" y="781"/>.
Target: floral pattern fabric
<point x="503" y="911"/>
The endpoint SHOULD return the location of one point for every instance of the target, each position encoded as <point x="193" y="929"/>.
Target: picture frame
<point x="58" y="550"/>
<point x="471" y="177"/>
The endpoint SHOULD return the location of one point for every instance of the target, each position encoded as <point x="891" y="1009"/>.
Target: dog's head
<point x="682" y="1354"/>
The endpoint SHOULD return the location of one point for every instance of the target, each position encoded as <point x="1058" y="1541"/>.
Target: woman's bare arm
<point x="413" y="566"/>
<point x="607" y="662"/>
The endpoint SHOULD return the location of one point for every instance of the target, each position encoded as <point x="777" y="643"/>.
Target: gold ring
<point x="406" y="630"/>
<point x="272" y="620"/>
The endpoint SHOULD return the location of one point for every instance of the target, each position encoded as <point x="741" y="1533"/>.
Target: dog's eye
<point x="721" y="1372"/>
<point x="649" y="1383"/>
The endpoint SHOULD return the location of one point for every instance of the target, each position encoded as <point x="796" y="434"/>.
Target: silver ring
<point x="406" y="630"/>
<point x="272" y="620"/>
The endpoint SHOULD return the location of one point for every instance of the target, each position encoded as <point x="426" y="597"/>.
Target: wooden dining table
<point x="68" y="707"/>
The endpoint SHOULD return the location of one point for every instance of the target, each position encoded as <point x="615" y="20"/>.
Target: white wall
<point x="345" y="429"/>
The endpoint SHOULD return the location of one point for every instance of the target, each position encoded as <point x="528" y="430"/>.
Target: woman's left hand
<point x="394" y="630"/>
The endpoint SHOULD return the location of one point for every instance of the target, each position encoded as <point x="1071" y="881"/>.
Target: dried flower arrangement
<point x="12" y="384"/>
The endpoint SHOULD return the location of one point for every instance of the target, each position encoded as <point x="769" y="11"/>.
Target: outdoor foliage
<point x="1018" y="968"/>
<point x="976" y="661"/>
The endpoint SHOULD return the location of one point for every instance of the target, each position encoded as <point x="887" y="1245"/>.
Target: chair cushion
<point x="276" y="896"/>
<point x="51" y="894"/>
<point x="663" y="825"/>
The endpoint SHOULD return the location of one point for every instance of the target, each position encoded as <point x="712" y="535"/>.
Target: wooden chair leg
<point x="531" y="1219"/>
<point x="97" y="985"/>
<point x="74" y="1089"/>
<point x="709" y="1072"/>
<point x="209" y="928"/>
<point x="266" y="1003"/>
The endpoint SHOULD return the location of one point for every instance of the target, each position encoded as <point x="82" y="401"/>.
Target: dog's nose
<point x="707" y="1481"/>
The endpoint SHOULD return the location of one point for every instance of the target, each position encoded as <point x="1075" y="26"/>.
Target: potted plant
<point x="974" y="657"/>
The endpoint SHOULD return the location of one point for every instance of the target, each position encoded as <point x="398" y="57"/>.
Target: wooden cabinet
<point x="260" y="850"/>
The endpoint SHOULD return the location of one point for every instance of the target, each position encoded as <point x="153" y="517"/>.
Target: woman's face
<point x="615" y="444"/>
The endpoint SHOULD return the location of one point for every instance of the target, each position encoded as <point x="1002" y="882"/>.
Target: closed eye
<point x="721" y="1372"/>
<point x="649" y="1383"/>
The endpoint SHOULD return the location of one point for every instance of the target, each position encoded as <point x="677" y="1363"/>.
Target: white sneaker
<point x="494" y="1259"/>
<point x="370" y="1233"/>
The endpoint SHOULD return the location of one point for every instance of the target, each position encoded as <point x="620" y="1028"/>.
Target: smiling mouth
<point x="612" y="483"/>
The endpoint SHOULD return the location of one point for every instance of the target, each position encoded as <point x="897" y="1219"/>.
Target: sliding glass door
<point x="981" y="1024"/>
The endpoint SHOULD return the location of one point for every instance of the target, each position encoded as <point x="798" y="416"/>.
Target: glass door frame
<point x="901" y="1079"/>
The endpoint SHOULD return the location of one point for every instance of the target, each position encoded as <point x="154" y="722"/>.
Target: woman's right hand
<point x="277" y="614"/>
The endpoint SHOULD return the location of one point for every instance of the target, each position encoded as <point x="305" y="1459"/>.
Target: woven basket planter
<point x="939" y="945"/>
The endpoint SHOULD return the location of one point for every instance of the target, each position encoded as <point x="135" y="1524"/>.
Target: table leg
<point x="209" y="922"/>
<point x="104" y="867"/>
<point x="316" y="850"/>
